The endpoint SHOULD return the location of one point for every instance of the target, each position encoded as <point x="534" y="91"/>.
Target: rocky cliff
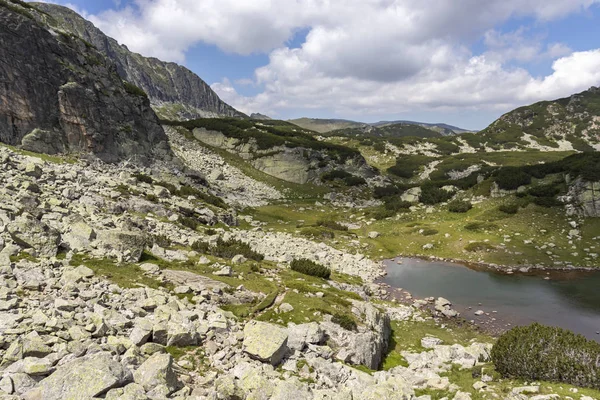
<point x="175" y="92"/>
<point x="59" y="94"/>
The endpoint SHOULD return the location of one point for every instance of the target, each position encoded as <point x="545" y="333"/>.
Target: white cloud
<point x="367" y="56"/>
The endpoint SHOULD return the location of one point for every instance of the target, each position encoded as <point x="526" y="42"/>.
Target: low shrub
<point x="547" y="202"/>
<point x="510" y="178"/>
<point x="345" y="321"/>
<point x="478" y="246"/>
<point x="355" y="181"/>
<point x="511" y="208"/>
<point x="169" y="186"/>
<point x="480" y="226"/>
<point x="232" y="247"/>
<point x="308" y="267"/>
<point x="143" y="178"/>
<point x="162" y="240"/>
<point x="134" y="90"/>
<point x="538" y="352"/>
<point x="335" y="174"/>
<point x="380" y="214"/>
<point x="396" y="204"/>
<point x="434" y="195"/>
<point x="200" y="247"/>
<point x="189" y="222"/>
<point x="459" y="206"/>
<point x="428" y="232"/>
<point x="544" y="191"/>
<point x="315" y="232"/>
<point x="331" y="225"/>
<point x="152" y="197"/>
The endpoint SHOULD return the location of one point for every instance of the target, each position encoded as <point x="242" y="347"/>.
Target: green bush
<point x="327" y="223"/>
<point x="380" y="214"/>
<point x="232" y="247"/>
<point x="308" y="267"/>
<point x="162" y="240"/>
<point x="315" y="232"/>
<point x="511" y="208"/>
<point x="355" y="181"/>
<point x="538" y="352"/>
<point x="335" y="174"/>
<point x="345" y="321"/>
<point x="134" y="90"/>
<point x="189" y="222"/>
<point x="434" y="195"/>
<point x="547" y="202"/>
<point x="396" y="204"/>
<point x="544" y="191"/>
<point x="169" y="186"/>
<point x="459" y="206"/>
<point x="408" y="166"/>
<point x="152" y="197"/>
<point x="143" y="178"/>
<point x="480" y="226"/>
<point x="510" y="178"/>
<point x="200" y="247"/>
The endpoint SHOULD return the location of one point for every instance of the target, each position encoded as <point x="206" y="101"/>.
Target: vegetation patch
<point x="459" y="206"/>
<point x="538" y="352"/>
<point x="345" y="321"/>
<point x="308" y="267"/>
<point x="479" y="246"/>
<point x="134" y="90"/>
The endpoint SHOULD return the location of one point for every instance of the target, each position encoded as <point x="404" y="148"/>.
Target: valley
<point x="156" y="243"/>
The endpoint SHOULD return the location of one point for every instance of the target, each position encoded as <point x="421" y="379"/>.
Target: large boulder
<point x="123" y="245"/>
<point x="28" y="232"/>
<point x="299" y="336"/>
<point x="157" y="371"/>
<point x="82" y="378"/>
<point x="265" y="342"/>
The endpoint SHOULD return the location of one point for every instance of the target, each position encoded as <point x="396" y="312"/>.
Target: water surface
<point x="569" y="300"/>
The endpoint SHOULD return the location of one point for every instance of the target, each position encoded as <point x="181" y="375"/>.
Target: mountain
<point x="60" y="94"/>
<point x="260" y="116"/>
<point x="328" y="125"/>
<point x="175" y="92"/>
<point x="442" y="128"/>
<point x="325" y="125"/>
<point x="570" y="123"/>
<point x="387" y="131"/>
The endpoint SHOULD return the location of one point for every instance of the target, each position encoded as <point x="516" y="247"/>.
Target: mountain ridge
<point x="174" y="91"/>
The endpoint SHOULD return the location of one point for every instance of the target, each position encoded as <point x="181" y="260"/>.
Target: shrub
<point x="331" y="225"/>
<point x="510" y="178"/>
<point x="480" y="226"/>
<point x="478" y="246"/>
<point x="345" y="321"/>
<point x="385" y="191"/>
<point x="434" y="195"/>
<point x="143" y="178"/>
<point x="538" y="352"/>
<point x="134" y="90"/>
<point x="314" y="232"/>
<point x="335" y="174"/>
<point x="189" y="222"/>
<point x="169" y="186"/>
<point x="396" y="204"/>
<point x="200" y="247"/>
<point x="544" y="191"/>
<point x="162" y="240"/>
<point x="355" y="181"/>
<point x="152" y="197"/>
<point x="232" y="247"/>
<point x="408" y="166"/>
<point x="547" y="202"/>
<point x="308" y="267"/>
<point x="382" y="214"/>
<point x="511" y="208"/>
<point x="459" y="206"/>
<point x="428" y="232"/>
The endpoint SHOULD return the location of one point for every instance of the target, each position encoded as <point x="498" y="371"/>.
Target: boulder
<point x="82" y="378"/>
<point x="157" y="371"/>
<point x="265" y="342"/>
<point x="79" y="237"/>
<point x="125" y="246"/>
<point x="301" y="335"/>
<point x="28" y="232"/>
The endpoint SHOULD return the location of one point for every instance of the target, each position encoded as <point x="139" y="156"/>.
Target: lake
<point x="570" y="300"/>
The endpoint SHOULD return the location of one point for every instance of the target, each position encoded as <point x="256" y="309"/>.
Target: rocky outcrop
<point x="584" y="198"/>
<point x="62" y="95"/>
<point x="175" y="92"/>
<point x="265" y="342"/>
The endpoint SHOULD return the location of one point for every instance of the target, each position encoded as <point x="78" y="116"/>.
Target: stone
<point x="157" y="371"/>
<point x="238" y="259"/>
<point x="33" y="170"/>
<point x="429" y="342"/>
<point x="265" y="342"/>
<point x="225" y="271"/>
<point x="285" y="308"/>
<point x="87" y="377"/>
<point x="299" y="336"/>
<point x="150" y="268"/>
<point x="374" y="235"/>
<point x="80" y="236"/>
<point x="124" y="245"/>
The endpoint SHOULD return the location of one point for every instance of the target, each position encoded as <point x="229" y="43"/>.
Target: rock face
<point x="585" y="198"/>
<point x="61" y="95"/>
<point x="175" y="92"/>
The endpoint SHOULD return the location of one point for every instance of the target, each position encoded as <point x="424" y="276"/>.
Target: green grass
<point x="44" y="157"/>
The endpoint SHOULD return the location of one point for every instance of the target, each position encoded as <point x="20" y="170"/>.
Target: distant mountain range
<point x="328" y="125"/>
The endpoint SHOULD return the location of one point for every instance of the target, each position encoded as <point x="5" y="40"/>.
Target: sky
<point x="462" y="62"/>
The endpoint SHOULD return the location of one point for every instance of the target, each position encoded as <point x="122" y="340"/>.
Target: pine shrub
<point x="538" y="352"/>
<point x="308" y="267"/>
<point x="459" y="206"/>
<point x="345" y="321"/>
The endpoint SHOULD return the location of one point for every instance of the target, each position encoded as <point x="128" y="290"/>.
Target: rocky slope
<point x="61" y="95"/>
<point x="175" y="92"/>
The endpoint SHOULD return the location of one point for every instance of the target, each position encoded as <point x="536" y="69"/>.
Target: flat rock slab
<point x="196" y="282"/>
<point x="265" y="342"/>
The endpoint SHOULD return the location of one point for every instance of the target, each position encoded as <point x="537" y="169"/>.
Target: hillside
<point x="174" y="91"/>
<point x="325" y="125"/>
<point x="442" y="128"/>
<point x="571" y="123"/>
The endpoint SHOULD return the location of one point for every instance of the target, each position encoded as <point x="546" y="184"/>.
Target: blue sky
<point x="463" y="62"/>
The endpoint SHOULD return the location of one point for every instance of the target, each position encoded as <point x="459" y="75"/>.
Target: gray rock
<point x="81" y="378"/>
<point x="301" y="335"/>
<point x="265" y="342"/>
<point x="157" y="371"/>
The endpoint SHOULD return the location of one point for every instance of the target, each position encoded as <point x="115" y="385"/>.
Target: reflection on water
<point x="570" y="300"/>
